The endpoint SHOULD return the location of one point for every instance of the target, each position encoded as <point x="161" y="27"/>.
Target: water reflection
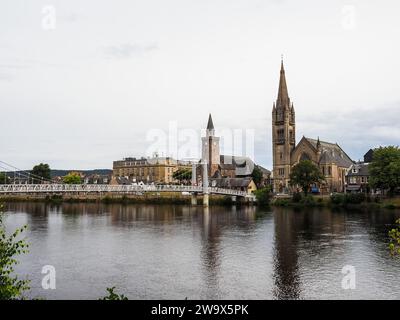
<point x="165" y="251"/>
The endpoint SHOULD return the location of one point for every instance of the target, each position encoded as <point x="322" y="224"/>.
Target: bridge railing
<point x="106" y="188"/>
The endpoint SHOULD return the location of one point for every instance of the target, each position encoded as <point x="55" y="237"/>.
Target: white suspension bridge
<point x="35" y="184"/>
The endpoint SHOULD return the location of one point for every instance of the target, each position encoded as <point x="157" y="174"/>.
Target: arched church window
<point x="305" y="156"/>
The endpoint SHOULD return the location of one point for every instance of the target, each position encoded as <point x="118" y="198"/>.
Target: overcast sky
<point x="84" y="87"/>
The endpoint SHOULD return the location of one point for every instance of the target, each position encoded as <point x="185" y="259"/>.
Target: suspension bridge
<point x="36" y="185"/>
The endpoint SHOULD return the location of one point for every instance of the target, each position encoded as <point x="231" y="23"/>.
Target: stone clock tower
<point x="210" y="148"/>
<point x="283" y="135"/>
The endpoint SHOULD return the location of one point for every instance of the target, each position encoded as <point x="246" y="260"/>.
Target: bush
<point x="296" y="197"/>
<point x="281" y="202"/>
<point x="11" y="287"/>
<point x="263" y="196"/>
<point x="348" y="198"/>
<point x="308" y="201"/>
<point x="113" y="296"/>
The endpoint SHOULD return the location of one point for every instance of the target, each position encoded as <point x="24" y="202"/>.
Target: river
<point x="178" y="252"/>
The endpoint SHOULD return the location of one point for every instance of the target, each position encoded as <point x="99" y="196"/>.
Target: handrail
<point x="107" y="188"/>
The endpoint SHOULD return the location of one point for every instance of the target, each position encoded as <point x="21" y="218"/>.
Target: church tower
<point x="283" y="135"/>
<point x="210" y="148"/>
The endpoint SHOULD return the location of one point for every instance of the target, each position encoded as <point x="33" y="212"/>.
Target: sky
<point x="84" y="83"/>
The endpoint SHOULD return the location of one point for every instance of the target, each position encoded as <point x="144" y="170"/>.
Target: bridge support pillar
<point x="205" y="200"/>
<point x="193" y="199"/>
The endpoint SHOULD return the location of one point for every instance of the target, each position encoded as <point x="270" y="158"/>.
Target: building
<point x="357" y="177"/>
<point x="240" y="184"/>
<point x="329" y="157"/>
<point x="147" y="170"/>
<point x="97" y="179"/>
<point x="221" y="166"/>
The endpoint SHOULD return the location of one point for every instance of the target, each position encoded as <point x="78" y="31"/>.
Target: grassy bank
<point x="349" y="201"/>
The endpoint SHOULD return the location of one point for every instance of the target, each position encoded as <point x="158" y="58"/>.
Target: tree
<point x="11" y="287"/>
<point x="4" y="179"/>
<point x="182" y="175"/>
<point x="72" y="178"/>
<point x="41" y="170"/>
<point x="263" y="196"/>
<point x="305" y="174"/>
<point x="257" y="176"/>
<point x="384" y="169"/>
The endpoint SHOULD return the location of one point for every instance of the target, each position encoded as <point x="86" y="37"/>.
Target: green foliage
<point x="182" y="175"/>
<point x="72" y="178"/>
<point x="385" y="168"/>
<point x="41" y="170"/>
<point x="4" y="179"/>
<point x="308" y="201"/>
<point x="11" y="287"/>
<point x="113" y="296"/>
<point x="394" y="235"/>
<point x="305" y="174"/>
<point x="257" y="176"/>
<point x="263" y="196"/>
<point x="296" y="198"/>
<point x="281" y="202"/>
<point x="348" y="198"/>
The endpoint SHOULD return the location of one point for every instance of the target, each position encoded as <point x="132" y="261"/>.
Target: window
<point x="329" y="170"/>
<point x="281" y="134"/>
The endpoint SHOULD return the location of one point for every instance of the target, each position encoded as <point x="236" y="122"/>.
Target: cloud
<point x="128" y="50"/>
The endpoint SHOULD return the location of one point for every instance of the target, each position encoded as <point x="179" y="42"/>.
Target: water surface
<point x="174" y="252"/>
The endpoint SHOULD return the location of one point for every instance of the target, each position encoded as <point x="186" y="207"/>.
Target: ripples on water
<point x="173" y="252"/>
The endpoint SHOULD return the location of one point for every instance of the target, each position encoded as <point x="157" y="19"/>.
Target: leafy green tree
<point x="41" y="170"/>
<point x="182" y="175"/>
<point x="394" y="235"/>
<point x="257" y="176"/>
<point x="113" y="296"/>
<point x="4" y="179"/>
<point x="263" y="196"/>
<point x="305" y="174"/>
<point x="11" y="287"/>
<point x="72" y="178"/>
<point x="384" y="169"/>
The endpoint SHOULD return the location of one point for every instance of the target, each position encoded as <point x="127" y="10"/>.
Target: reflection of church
<point x="330" y="157"/>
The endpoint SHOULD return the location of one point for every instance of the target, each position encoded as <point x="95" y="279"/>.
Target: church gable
<point x="304" y="151"/>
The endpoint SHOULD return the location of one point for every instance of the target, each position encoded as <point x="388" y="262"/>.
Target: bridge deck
<point x="106" y="188"/>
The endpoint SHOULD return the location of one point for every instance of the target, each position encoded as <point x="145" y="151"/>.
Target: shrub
<point x="308" y="201"/>
<point x="281" y="202"/>
<point x="263" y="196"/>
<point x="11" y="287"/>
<point x="113" y="296"/>
<point x="296" y="197"/>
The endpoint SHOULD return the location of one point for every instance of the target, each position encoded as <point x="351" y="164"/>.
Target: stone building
<point x="357" y="177"/>
<point x="147" y="170"/>
<point x="329" y="157"/>
<point x="218" y="165"/>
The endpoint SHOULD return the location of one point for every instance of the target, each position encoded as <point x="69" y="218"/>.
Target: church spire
<point x="283" y="95"/>
<point x="210" y="124"/>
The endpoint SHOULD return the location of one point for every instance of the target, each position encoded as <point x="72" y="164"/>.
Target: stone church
<point x="329" y="157"/>
<point x="225" y="171"/>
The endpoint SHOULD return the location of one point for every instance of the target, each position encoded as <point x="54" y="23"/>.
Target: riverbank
<point x="353" y="201"/>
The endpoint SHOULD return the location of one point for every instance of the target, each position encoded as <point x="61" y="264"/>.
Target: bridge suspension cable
<point x="23" y="173"/>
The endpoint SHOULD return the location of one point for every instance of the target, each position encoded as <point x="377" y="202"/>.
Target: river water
<point x="175" y="251"/>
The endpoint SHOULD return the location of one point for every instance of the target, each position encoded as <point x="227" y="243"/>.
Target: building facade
<point x="329" y="157"/>
<point x="357" y="177"/>
<point x="147" y="170"/>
